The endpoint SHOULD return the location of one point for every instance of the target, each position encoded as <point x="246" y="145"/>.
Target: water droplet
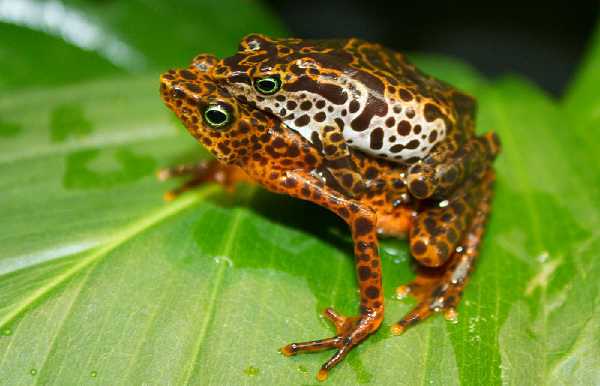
<point x="302" y="369"/>
<point x="252" y="371"/>
<point x="7" y="332"/>
<point x="94" y="374"/>
<point x="33" y="371"/>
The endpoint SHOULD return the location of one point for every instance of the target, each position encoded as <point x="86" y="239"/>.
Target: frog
<point x="244" y="110"/>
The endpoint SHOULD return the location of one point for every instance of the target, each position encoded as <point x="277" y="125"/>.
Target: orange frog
<point x="356" y="128"/>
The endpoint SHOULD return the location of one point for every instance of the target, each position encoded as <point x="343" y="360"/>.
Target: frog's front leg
<point x="338" y="160"/>
<point x="450" y="164"/>
<point x="350" y="331"/>
<point x="202" y="172"/>
<point x="439" y="286"/>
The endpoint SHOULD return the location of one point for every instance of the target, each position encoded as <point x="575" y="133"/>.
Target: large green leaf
<point x="51" y="42"/>
<point x="101" y="282"/>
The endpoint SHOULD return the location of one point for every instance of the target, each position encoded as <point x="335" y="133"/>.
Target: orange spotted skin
<point x="440" y="200"/>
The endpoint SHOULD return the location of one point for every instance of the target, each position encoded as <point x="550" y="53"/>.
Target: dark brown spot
<point x="405" y="95"/>
<point x="433" y="136"/>
<point x="336" y="137"/>
<point x="354" y="106"/>
<point x="330" y="149"/>
<point x="224" y="148"/>
<point x="431" y="112"/>
<point x="293" y="151"/>
<point x="403" y="128"/>
<point x="397" y="148"/>
<point x="390" y="122"/>
<point x="278" y="142"/>
<point x="413" y="144"/>
<point x="291" y="105"/>
<point x="306" y="105"/>
<point x="371" y="173"/>
<point x="320" y="104"/>
<point x="362" y="226"/>
<point x="377" y="139"/>
<point x="310" y="159"/>
<point x="364" y="273"/>
<point x="372" y="292"/>
<point x="289" y="182"/>
<point x="320" y="116"/>
<point x="419" y="248"/>
<point x="419" y="188"/>
<point x="193" y="87"/>
<point x="302" y="120"/>
<point x="187" y="75"/>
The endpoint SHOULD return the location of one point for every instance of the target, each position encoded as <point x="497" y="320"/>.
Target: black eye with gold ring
<point x="217" y="116"/>
<point x="268" y="85"/>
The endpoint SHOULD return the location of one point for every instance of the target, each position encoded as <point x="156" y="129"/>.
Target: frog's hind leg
<point x="439" y="288"/>
<point x="202" y="172"/>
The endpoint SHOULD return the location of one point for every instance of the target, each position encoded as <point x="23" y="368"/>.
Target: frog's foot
<point x="350" y="331"/>
<point x="435" y="293"/>
<point x="439" y="289"/>
<point x="200" y="173"/>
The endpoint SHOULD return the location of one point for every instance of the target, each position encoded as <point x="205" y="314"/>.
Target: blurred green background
<point x="101" y="282"/>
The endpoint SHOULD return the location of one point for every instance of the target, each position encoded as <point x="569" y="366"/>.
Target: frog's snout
<point x="169" y="88"/>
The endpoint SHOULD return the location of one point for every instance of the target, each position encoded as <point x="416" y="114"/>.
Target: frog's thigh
<point x="394" y="222"/>
<point x="437" y="230"/>
<point x="339" y="163"/>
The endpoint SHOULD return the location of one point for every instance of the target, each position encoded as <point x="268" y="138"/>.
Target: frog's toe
<point x="200" y="173"/>
<point x="445" y="303"/>
<point x="350" y="332"/>
<point x="436" y="292"/>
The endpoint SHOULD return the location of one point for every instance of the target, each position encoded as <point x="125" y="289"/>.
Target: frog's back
<point x="379" y="101"/>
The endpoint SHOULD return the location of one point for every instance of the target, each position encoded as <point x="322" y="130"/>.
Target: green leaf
<point x="101" y="282"/>
<point x="48" y="42"/>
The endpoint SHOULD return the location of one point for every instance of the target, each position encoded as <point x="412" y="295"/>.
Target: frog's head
<point x="210" y="113"/>
<point x="289" y="78"/>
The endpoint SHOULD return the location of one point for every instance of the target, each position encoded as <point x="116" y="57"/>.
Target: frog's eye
<point x="217" y="116"/>
<point x="268" y="85"/>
